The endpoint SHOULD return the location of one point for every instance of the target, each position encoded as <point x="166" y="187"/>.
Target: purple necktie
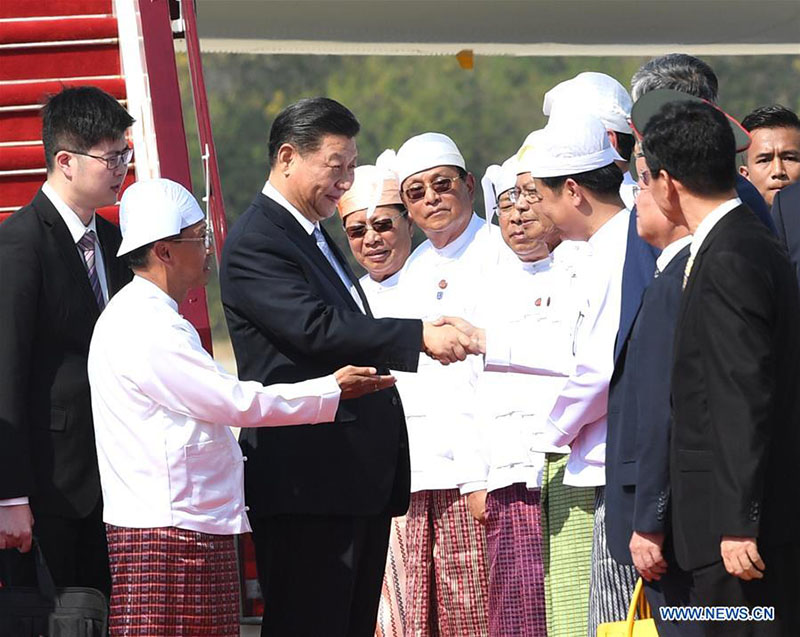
<point x="87" y="245"/>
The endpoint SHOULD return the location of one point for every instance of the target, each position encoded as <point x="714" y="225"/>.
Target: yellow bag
<point x="645" y="626"/>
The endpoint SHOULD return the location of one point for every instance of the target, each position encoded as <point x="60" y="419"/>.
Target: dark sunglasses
<point x="358" y="230"/>
<point x="440" y="185"/>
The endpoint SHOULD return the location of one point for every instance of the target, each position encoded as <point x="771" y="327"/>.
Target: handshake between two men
<point x="450" y="339"/>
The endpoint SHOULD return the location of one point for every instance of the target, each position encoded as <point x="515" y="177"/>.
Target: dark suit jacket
<point x="735" y="382"/>
<point x="637" y="273"/>
<point x="639" y="414"/>
<point x="640" y="260"/>
<point x="786" y="214"/>
<point x="290" y="319"/>
<point x="47" y="313"/>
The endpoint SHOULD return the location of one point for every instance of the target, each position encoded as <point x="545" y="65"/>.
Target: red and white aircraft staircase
<point x="125" y="47"/>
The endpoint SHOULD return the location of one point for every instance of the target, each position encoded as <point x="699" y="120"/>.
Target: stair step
<point x="34" y="92"/>
<point x="49" y="8"/>
<point x="66" y="61"/>
<point x="21" y="157"/>
<point x="55" y="29"/>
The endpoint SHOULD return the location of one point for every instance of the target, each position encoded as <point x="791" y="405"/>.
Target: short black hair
<point x="137" y="259"/>
<point x="693" y="142"/>
<point x="625" y="144"/>
<point x="603" y="181"/>
<point x="676" y="71"/>
<point x="774" y="116"/>
<point x="304" y="124"/>
<point x="79" y="118"/>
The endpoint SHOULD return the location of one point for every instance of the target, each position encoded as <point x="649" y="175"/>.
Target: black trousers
<point x="75" y="551"/>
<point x="320" y="575"/>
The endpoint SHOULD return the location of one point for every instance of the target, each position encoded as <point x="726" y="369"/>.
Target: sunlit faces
<point x="317" y="180"/>
<point x="560" y="206"/>
<point x="441" y="213"/>
<point x="386" y="243"/>
<point x="191" y="253"/>
<point x="651" y="224"/>
<point x="527" y="232"/>
<point x="773" y="160"/>
<point x="90" y="184"/>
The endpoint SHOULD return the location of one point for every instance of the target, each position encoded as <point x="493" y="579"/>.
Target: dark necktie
<point x="87" y="244"/>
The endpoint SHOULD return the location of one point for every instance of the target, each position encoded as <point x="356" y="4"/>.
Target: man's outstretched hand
<point x="358" y="381"/>
<point x="16" y="525"/>
<point x="476" y="335"/>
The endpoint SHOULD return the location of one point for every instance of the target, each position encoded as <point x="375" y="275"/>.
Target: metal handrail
<point x="215" y="207"/>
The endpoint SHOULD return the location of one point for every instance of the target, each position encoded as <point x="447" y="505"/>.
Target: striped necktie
<point x="687" y="271"/>
<point x="87" y="244"/>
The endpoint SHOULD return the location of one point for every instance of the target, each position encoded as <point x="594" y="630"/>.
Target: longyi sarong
<point x="567" y="524"/>
<point x="612" y="583"/>
<point x="170" y="582"/>
<point x="391" y="609"/>
<point x="446" y="575"/>
<point x="516" y="573"/>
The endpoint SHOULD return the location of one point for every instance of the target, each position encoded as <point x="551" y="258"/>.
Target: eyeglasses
<point x="644" y="177"/>
<point x="440" y="185"/>
<point x="505" y="207"/>
<point x="112" y="162"/>
<point x="637" y="190"/>
<point x="206" y="239"/>
<point x="356" y="231"/>
<point x="531" y="195"/>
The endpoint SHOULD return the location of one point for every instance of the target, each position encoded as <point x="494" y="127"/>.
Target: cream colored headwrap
<point x="372" y="187"/>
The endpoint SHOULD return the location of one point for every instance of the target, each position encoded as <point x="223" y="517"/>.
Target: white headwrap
<point x="527" y="146"/>
<point x="426" y="151"/>
<point x="373" y="186"/>
<point x="495" y="182"/>
<point x="595" y="93"/>
<point x="570" y="146"/>
<point x="155" y="209"/>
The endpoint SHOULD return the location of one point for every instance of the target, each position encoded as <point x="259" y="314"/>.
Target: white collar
<point x="605" y="233"/>
<point x="387" y="284"/>
<point x="668" y="253"/>
<point x="71" y="219"/>
<point x="272" y="192"/>
<point x="455" y="246"/>
<point x="534" y="266"/>
<point x="711" y="220"/>
<point x="149" y="289"/>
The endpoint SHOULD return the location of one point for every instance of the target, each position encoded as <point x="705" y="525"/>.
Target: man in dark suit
<point x="786" y="214"/>
<point x="735" y="381"/>
<point x="691" y="76"/>
<point x="637" y="447"/>
<point x="321" y="498"/>
<point x="58" y="268"/>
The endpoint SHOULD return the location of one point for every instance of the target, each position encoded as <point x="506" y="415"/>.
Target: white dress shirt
<point x="536" y="302"/>
<point x="438" y="400"/>
<point x="161" y="408"/>
<point x="706" y="225"/>
<point x="671" y="251"/>
<point x="314" y="230"/>
<point x="77" y="230"/>
<point x="626" y="190"/>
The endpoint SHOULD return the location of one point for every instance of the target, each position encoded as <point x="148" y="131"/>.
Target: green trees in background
<point x="488" y="111"/>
